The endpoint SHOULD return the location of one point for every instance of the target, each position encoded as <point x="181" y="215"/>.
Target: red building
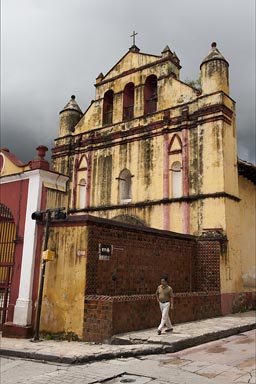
<point x="22" y="191"/>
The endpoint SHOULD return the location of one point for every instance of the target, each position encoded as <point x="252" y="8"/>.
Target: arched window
<point x="128" y="102"/>
<point x="108" y="107"/>
<point x="125" y="184"/>
<point x="150" y="94"/>
<point x="176" y="179"/>
<point x="82" y="193"/>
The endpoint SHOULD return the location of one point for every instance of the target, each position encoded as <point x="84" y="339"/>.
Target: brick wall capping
<point x="152" y="296"/>
<point x="247" y="170"/>
<point x="213" y="235"/>
<point x="87" y="220"/>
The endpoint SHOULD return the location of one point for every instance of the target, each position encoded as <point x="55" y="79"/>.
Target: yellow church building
<point x="153" y="184"/>
<point x="152" y="150"/>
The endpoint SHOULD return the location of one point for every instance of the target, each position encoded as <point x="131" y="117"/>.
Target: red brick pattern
<point x="98" y="324"/>
<point x="106" y="316"/>
<point x="120" y="291"/>
<point x="207" y="266"/>
<point x="138" y="261"/>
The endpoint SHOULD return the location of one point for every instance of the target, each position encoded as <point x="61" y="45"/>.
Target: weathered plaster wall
<point x="231" y="276"/>
<point x="64" y="288"/>
<point x="80" y="285"/>
<point x="215" y="76"/>
<point x="171" y="91"/>
<point x="56" y="199"/>
<point x="247" y="219"/>
<point x="9" y="167"/>
<point x="205" y="125"/>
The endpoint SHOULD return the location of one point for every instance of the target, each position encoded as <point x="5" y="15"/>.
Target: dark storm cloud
<point x="54" y="48"/>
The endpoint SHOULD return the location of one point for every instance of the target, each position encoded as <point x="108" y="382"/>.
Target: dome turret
<point x="214" y="72"/>
<point x="69" y="117"/>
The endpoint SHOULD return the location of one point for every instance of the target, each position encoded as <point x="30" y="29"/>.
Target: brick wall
<point x="207" y="265"/>
<point x="120" y="290"/>
<point x="109" y="315"/>
<point x="138" y="261"/>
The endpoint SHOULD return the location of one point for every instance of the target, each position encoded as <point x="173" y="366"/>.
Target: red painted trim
<point x="185" y="182"/>
<point x="166" y="208"/>
<point x="14" y="195"/>
<point x="175" y="136"/>
<point x="64" y="150"/>
<point x="134" y="70"/>
<point x="185" y="159"/>
<point x="17" y="331"/>
<point x="76" y="162"/>
<point x="88" y="181"/>
<point x="80" y="161"/>
<point x="10" y="156"/>
<point x="175" y="152"/>
<point x="77" y="168"/>
<point x="237" y="301"/>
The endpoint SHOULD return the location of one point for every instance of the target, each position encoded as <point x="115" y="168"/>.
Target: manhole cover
<point x="127" y="378"/>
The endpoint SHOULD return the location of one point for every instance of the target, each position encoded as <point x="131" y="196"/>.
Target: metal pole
<point x="41" y="288"/>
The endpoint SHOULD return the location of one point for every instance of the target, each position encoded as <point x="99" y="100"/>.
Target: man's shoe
<point x="159" y="332"/>
<point x="169" y="330"/>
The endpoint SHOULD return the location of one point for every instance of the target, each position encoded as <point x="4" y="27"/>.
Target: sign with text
<point x="105" y="250"/>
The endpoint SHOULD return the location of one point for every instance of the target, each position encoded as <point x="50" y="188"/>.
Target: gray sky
<point x="51" y="49"/>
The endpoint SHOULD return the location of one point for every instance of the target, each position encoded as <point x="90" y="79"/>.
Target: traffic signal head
<point x="60" y="215"/>
<point x="38" y="216"/>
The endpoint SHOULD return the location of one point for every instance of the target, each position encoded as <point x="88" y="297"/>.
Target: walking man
<point x="164" y="294"/>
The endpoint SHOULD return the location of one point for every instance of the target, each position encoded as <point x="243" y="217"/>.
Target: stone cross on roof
<point x="133" y="36"/>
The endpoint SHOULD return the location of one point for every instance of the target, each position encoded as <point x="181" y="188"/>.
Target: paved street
<point x="229" y="360"/>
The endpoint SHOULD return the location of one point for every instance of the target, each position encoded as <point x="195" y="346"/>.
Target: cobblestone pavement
<point x="228" y="360"/>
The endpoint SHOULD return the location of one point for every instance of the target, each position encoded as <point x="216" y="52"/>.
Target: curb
<point x="154" y="348"/>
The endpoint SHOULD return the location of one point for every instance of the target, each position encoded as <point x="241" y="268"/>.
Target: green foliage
<point x="70" y="336"/>
<point x="194" y="83"/>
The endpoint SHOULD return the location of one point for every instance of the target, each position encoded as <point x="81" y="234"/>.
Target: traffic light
<point x="59" y="215"/>
<point x="38" y="216"/>
<point x="55" y="213"/>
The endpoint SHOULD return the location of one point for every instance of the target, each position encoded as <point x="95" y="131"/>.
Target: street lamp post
<point x="58" y="214"/>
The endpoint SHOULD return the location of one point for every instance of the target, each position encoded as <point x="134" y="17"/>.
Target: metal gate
<point x="7" y="247"/>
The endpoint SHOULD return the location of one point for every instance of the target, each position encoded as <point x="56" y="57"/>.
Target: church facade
<point x="152" y="150"/>
<point x="151" y="183"/>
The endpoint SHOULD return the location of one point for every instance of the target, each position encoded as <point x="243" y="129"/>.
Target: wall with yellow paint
<point x="9" y="167"/>
<point x="231" y="278"/>
<point x="172" y="90"/>
<point x="208" y="119"/>
<point x="64" y="287"/>
<point x="247" y="220"/>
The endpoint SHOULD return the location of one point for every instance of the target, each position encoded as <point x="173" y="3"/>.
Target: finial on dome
<point x="72" y="106"/>
<point x="214" y="44"/>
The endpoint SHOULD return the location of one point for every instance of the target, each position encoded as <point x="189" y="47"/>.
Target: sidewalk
<point x="137" y="343"/>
